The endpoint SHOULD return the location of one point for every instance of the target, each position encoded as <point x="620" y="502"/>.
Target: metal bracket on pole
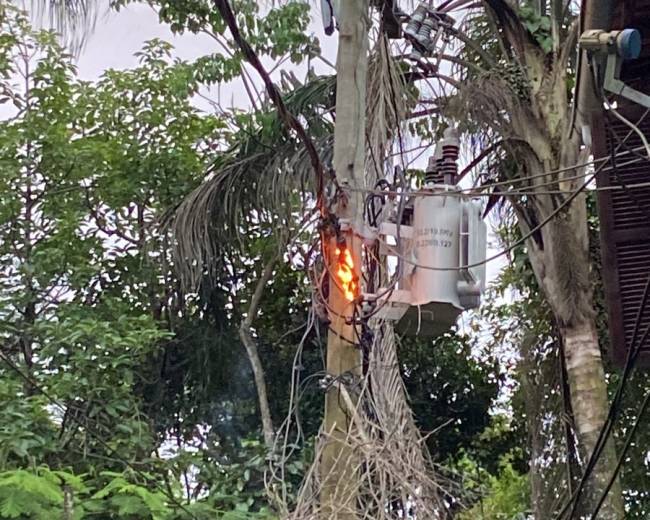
<point x="613" y="83"/>
<point x="617" y="46"/>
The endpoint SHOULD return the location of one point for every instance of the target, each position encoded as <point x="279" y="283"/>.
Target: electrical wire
<point x="112" y="452"/>
<point x="640" y="204"/>
<point x="510" y="248"/>
<point x="534" y="230"/>
<point x="621" y="458"/>
<point x="631" y="358"/>
<point x="476" y="192"/>
<point x="385" y="295"/>
<point x="602" y="439"/>
<point x="278" y="466"/>
<point x="527" y="193"/>
<point x="629" y="123"/>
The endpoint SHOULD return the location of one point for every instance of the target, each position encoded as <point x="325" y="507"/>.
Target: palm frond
<point x="262" y="180"/>
<point x="396" y="475"/>
<point x="388" y="100"/>
<point x="74" y="20"/>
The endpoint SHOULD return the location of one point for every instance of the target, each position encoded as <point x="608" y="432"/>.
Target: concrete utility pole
<point x="339" y="472"/>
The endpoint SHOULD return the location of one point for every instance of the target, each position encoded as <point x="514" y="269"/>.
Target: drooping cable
<point x="633" y="352"/>
<point x="621" y="458"/>
<point x="510" y="248"/>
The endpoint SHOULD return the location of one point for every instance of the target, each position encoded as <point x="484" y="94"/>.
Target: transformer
<point x="439" y="248"/>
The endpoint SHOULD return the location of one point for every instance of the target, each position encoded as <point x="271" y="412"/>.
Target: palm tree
<point x="513" y="70"/>
<point x="512" y="75"/>
<point x="515" y="65"/>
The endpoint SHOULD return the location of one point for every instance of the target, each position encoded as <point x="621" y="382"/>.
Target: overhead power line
<point x="632" y="355"/>
<point x="511" y="247"/>
<point x="606" y="429"/>
<point x="478" y="191"/>
<point x="621" y="458"/>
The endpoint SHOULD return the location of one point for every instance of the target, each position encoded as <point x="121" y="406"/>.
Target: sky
<point x="120" y="34"/>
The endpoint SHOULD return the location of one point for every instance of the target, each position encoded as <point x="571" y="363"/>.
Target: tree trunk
<point x="560" y="259"/>
<point x="338" y="470"/>
<point x="589" y="401"/>
<point x="68" y="503"/>
<point x="253" y="356"/>
<point x="530" y="384"/>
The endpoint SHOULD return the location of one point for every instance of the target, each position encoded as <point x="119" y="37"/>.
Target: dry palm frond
<point x="489" y="100"/>
<point x="388" y="101"/>
<point x="396" y="477"/>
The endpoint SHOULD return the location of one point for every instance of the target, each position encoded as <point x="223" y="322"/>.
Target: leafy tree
<point x="149" y="401"/>
<point x="516" y="71"/>
<point x="506" y="495"/>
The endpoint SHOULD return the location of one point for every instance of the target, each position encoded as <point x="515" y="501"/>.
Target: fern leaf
<point x="11" y="507"/>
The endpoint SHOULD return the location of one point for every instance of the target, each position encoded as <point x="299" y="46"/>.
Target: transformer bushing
<point x="448" y="159"/>
<point x="432" y="174"/>
<point x="424" y="33"/>
<point x="413" y="26"/>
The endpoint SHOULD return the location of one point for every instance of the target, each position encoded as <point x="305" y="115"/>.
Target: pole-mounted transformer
<point x="439" y="246"/>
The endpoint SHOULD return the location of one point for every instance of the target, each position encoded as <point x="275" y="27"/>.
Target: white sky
<point x="118" y="35"/>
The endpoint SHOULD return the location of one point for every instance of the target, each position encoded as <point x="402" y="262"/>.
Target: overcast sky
<point x="118" y="35"/>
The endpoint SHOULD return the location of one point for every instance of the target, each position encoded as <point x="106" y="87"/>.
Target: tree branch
<point x="459" y="35"/>
<point x="253" y="355"/>
<point x="276" y="98"/>
<point x="484" y="153"/>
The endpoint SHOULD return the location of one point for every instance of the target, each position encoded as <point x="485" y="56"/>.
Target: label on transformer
<point x="434" y="237"/>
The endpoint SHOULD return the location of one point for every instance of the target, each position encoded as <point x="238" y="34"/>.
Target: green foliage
<point x="450" y="390"/>
<point x="238" y="486"/>
<point x="26" y="430"/>
<point x="92" y="310"/>
<point x="279" y="31"/>
<point x="126" y="499"/>
<point x="538" y="25"/>
<point x="36" y="494"/>
<point x="85" y="172"/>
<point x="23" y="493"/>
<point x="505" y="496"/>
<point x="90" y="307"/>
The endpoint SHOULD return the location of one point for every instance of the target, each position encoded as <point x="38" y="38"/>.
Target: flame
<point x="345" y="274"/>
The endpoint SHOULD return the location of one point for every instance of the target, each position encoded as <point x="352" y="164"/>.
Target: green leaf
<point x="11" y="507"/>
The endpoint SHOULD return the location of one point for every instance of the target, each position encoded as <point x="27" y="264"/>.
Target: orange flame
<point x="345" y="274"/>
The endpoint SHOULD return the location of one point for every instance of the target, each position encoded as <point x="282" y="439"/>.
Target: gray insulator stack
<point x="416" y="20"/>
<point x="424" y="34"/>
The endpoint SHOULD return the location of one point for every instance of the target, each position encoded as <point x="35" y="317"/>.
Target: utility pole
<point x="338" y="467"/>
